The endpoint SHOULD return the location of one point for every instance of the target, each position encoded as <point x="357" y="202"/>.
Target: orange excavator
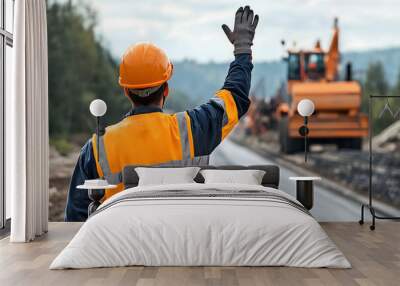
<point x="314" y="74"/>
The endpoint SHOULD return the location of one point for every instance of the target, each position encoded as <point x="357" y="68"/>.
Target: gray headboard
<point x="270" y="179"/>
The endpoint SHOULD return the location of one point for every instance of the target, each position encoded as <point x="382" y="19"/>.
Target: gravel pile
<point x="351" y="168"/>
<point x="348" y="167"/>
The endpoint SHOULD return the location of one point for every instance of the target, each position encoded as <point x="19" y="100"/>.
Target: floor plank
<point x="374" y="255"/>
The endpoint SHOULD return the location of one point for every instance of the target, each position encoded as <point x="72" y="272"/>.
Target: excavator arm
<point x="333" y="56"/>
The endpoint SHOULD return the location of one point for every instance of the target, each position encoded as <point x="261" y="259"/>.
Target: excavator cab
<point x="306" y="66"/>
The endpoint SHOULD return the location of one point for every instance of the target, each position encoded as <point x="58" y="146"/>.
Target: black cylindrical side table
<point x="305" y="190"/>
<point x="96" y="190"/>
<point x="95" y="195"/>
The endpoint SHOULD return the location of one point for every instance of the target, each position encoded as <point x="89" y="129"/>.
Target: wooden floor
<point x="375" y="257"/>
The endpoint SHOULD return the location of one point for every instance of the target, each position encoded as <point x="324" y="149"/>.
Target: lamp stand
<point x="303" y="131"/>
<point x="98" y="137"/>
<point x="305" y="138"/>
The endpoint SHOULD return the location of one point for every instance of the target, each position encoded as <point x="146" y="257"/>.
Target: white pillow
<point x="166" y="176"/>
<point x="247" y="177"/>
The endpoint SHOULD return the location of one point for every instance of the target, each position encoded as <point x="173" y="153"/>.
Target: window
<point x="6" y="43"/>
<point x="294" y="67"/>
<point x="314" y="65"/>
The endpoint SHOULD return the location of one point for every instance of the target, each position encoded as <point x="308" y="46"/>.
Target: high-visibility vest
<point x="145" y="139"/>
<point x="154" y="139"/>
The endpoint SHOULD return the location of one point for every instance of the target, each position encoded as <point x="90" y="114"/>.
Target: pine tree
<point x="376" y="84"/>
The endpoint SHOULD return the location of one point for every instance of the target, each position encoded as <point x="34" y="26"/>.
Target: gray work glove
<point x="243" y="31"/>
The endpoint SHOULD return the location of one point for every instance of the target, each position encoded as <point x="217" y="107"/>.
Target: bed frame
<point x="270" y="179"/>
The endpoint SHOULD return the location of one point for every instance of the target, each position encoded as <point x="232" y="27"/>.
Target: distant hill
<point x="389" y="57"/>
<point x="199" y="81"/>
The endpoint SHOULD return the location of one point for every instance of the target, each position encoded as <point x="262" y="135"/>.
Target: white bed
<point x="248" y="226"/>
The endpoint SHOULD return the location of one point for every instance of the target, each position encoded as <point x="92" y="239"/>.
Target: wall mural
<point x="337" y="81"/>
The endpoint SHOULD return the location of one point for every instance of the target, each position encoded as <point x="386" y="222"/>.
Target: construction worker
<point x="146" y="135"/>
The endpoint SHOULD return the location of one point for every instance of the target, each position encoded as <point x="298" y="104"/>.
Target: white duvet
<point x="192" y="231"/>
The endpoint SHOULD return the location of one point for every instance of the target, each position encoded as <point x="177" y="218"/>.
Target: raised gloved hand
<point x="243" y="30"/>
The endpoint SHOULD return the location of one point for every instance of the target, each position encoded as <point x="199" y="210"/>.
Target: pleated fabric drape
<point x="27" y="140"/>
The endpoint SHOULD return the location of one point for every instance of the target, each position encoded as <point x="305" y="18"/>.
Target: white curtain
<point x="27" y="124"/>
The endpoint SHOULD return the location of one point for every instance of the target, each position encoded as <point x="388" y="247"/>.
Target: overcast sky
<point x="192" y="28"/>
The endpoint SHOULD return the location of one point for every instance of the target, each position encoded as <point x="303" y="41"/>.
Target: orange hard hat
<point x="144" y="65"/>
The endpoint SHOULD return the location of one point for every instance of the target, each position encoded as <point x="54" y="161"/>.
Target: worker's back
<point x="153" y="138"/>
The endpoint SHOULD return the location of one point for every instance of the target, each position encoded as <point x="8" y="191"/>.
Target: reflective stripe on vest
<point x="112" y="178"/>
<point x="116" y="178"/>
<point x="184" y="135"/>
<point x="221" y="103"/>
<point x="224" y="98"/>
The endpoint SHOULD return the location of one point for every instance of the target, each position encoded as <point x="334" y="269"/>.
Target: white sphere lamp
<point x="96" y="187"/>
<point x="98" y="108"/>
<point x="305" y="107"/>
